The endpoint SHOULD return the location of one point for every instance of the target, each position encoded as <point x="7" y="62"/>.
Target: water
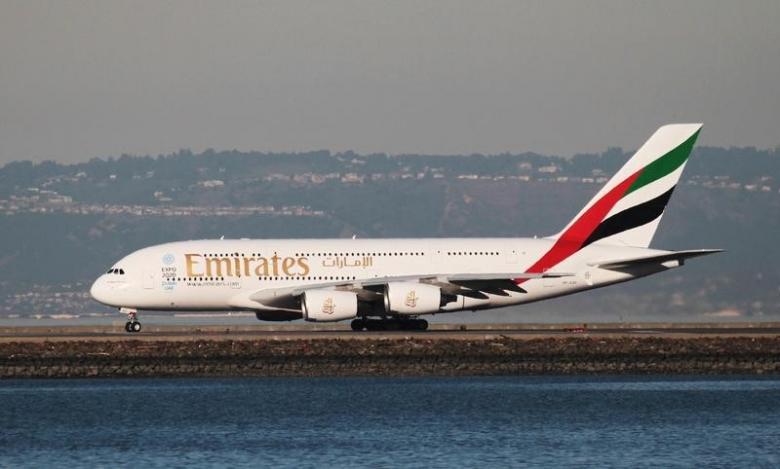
<point x="388" y="422"/>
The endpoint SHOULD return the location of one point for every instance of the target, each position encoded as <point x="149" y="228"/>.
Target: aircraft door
<point x="436" y="254"/>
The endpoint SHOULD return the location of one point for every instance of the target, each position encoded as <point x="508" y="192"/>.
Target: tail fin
<point x="628" y="209"/>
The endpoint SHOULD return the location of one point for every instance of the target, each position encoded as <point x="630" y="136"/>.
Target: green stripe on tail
<point x="664" y="165"/>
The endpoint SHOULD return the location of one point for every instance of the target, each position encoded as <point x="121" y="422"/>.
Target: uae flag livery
<point x="627" y="210"/>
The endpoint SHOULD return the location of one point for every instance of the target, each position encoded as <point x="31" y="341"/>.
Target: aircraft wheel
<point x="136" y="326"/>
<point x="128" y="326"/>
<point x="422" y="325"/>
<point x="376" y="325"/>
<point x="358" y="325"/>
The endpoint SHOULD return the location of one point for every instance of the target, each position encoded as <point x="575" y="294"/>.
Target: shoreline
<point x="392" y="355"/>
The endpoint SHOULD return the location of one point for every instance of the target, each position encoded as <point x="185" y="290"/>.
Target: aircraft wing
<point x="471" y="285"/>
<point x="680" y="256"/>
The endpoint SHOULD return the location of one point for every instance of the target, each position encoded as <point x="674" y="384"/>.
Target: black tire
<point x="376" y="325"/>
<point x="128" y="327"/>
<point x="136" y="326"/>
<point x="358" y="325"/>
<point x="413" y="325"/>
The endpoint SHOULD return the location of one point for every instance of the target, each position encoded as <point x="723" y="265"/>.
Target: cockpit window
<point x="116" y="271"/>
<point x="121" y="271"/>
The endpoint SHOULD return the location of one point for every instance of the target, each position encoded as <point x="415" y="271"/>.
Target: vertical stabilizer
<point x="628" y="209"/>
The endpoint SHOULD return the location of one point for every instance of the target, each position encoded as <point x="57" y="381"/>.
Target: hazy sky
<point x="80" y="79"/>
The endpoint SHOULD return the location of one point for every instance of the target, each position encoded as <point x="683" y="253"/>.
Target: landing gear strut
<point x="132" y="324"/>
<point x="392" y="324"/>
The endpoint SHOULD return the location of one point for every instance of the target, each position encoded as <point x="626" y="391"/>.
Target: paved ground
<point x="437" y="331"/>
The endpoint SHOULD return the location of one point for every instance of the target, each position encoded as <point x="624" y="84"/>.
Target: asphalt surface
<point x="437" y="331"/>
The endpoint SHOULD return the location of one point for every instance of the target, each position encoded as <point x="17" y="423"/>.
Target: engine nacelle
<point x="329" y="305"/>
<point x="412" y="298"/>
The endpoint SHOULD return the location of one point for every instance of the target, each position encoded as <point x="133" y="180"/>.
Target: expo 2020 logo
<point x="168" y="259"/>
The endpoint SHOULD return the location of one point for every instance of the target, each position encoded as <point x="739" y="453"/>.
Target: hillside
<point x="61" y="225"/>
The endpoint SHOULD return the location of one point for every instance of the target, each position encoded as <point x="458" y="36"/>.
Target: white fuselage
<point x="223" y="275"/>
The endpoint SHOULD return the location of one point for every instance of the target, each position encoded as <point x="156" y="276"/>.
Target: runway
<point x="436" y="332"/>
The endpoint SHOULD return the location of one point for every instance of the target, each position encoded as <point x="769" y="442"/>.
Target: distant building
<point x="212" y="183"/>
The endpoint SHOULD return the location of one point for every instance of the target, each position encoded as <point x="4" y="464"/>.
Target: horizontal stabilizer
<point x="653" y="258"/>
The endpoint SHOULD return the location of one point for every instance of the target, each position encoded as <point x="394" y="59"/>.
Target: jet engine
<point x="412" y="298"/>
<point x="329" y="305"/>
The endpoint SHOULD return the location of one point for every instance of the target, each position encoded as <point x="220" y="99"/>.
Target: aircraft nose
<point x="100" y="291"/>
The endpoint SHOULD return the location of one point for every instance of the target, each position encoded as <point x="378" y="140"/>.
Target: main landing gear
<point x="132" y="324"/>
<point x="391" y="324"/>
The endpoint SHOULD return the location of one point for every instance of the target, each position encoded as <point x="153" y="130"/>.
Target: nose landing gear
<point x="132" y="324"/>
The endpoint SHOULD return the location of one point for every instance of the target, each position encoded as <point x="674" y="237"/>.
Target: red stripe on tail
<point x="574" y="237"/>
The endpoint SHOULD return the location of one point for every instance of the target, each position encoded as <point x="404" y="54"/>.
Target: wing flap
<point x="466" y="284"/>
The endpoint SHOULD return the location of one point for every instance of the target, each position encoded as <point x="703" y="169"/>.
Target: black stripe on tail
<point x="637" y="215"/>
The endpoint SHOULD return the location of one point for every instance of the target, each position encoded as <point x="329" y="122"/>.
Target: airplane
<point x="387" y="284"/>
